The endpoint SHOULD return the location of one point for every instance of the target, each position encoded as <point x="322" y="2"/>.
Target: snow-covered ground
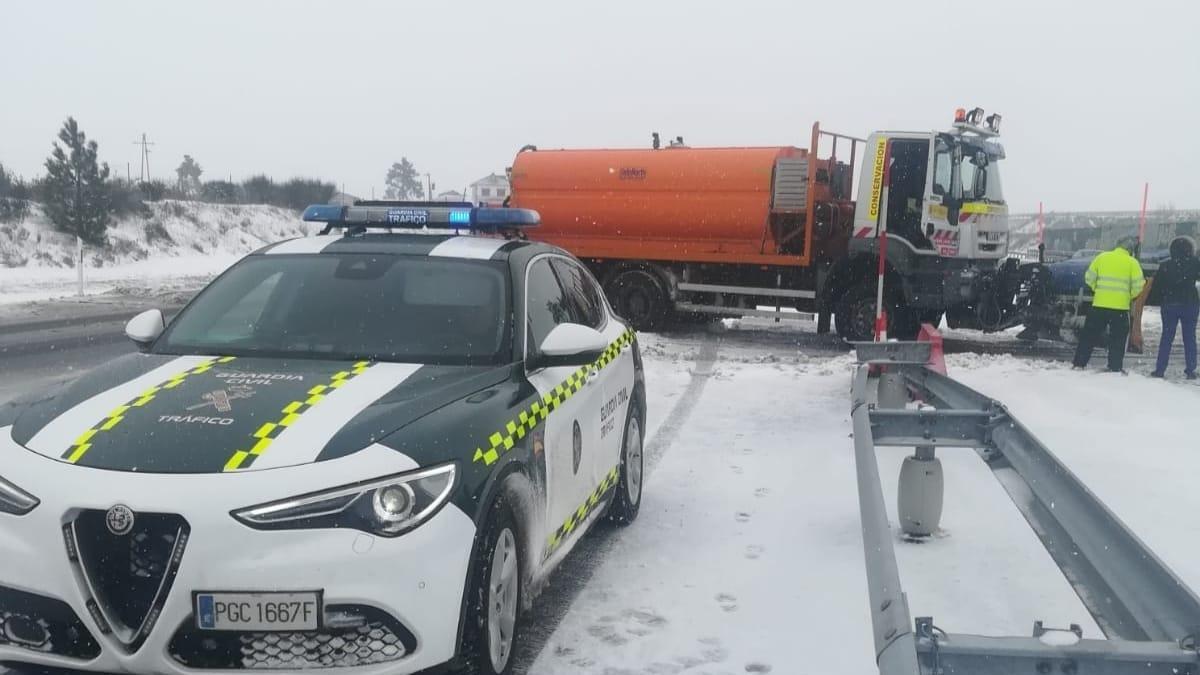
<point x="1131" y="439"/>
<point x="178" y="245"/>
<point x="747" y="556"/>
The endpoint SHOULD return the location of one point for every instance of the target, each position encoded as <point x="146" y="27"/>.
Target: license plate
<point x="992" y="236"/>
<point x="270" y="611"/>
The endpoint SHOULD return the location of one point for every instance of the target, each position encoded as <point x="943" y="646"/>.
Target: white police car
<point x="357" y="450"/>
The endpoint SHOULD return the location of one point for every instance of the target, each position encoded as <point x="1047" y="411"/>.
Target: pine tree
<point x="76" y="186"/>
<point x="403" y="182"/>
<point x="189" y="173"/>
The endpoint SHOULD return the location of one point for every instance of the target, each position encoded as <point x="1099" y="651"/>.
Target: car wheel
<point x="493" y="627"/>
<point x="628" y="498"/>
<point x="638" y="296"/>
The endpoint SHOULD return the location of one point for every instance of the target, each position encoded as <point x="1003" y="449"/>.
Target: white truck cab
<point x="937" y="193"/>
<point x="938" y="197"/>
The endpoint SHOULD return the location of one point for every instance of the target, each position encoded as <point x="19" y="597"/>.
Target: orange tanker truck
<point x="686" y="231"/>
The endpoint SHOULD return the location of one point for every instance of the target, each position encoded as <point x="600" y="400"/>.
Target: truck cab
<point x="938" y="200"/>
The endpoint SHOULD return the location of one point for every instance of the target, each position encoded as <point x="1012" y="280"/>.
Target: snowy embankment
<point x="178" y="245"/>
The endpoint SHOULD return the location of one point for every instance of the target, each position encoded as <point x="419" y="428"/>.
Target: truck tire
<point x="638" y="296"/>
<point x="854" y="317"/>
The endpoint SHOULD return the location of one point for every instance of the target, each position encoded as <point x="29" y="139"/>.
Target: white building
<point x="491" y="190"/>
<point x="450" y="196"/>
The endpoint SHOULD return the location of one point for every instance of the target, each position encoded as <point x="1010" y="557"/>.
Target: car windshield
<point x="350" y="306"/>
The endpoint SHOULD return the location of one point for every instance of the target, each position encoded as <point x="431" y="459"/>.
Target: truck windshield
<point x="350" y="306"/>
<point x="979" y="183"/>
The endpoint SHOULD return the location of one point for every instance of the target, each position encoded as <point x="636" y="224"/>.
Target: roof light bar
<point x="417" y="215"/>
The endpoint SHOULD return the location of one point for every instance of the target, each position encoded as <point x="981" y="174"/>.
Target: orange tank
<point x="680" y="204"/>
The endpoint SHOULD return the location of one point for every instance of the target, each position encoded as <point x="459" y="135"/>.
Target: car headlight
<point x="387" y="507"/>
<point x="14" y="500"/>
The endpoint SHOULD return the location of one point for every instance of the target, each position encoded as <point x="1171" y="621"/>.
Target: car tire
<point x="638" y="295"/>
<point x="627" y="500"/>
<point x="492" y="630"/>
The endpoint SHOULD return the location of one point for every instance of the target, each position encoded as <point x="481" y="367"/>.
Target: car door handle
<point x="627" y="346"/>
<point x="592" y="376"/>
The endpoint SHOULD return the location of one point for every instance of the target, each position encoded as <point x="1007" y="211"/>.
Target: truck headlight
<point x="387" y="507"/>
<point x="14" y="500"/>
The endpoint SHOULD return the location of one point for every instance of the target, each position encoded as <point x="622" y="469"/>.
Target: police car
<point x="359" y="450"/>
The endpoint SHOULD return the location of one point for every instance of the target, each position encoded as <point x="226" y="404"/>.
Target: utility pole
<point x="145" y="160"/>
<point x="429" y="182"/>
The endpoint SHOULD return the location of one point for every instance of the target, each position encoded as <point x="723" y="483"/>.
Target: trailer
<point x="684" y="232"/>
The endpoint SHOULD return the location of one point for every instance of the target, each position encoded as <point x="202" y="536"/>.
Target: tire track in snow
<point x="577" y="569"/>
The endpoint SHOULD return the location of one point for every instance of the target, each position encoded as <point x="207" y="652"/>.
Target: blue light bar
<point x="322" y="213"/>
<point x="417" y="215"/>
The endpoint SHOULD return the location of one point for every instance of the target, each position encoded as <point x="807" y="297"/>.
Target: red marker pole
<point x="880" y="313"/>
<point x="1142" y="220"/>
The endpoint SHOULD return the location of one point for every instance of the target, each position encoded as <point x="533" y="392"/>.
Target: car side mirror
<point x="145" y="328"/>
<point x="570" y="344"/>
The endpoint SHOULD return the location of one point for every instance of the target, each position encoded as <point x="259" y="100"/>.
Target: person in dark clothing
<point x="1174" y="288"/>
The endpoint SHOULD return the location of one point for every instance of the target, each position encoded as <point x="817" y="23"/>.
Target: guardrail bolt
<point x="1069" y="667"/>
<point x="1044" y="667"/>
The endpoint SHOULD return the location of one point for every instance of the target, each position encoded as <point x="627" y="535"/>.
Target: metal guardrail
<point x="1149" y="615"/>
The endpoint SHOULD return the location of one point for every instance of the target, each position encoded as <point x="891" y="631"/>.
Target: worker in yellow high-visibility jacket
<point x="1115" y="278"/>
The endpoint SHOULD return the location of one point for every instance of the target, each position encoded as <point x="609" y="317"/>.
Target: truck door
<point x="907" y="173"/>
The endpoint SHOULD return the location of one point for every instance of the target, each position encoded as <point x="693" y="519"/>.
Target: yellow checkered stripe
<point x="268" y="432"/>
<point x="80" y="447"/>
<point x="527" y="420"/>
<point x="580" y="514"/>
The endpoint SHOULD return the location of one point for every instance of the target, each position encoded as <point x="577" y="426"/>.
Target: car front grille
<point x="129" y="575"/>
<point x="370" y="636"/>
<point x="43" y="624"/>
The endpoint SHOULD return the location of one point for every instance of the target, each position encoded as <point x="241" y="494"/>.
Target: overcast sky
<point x="1096" y="100"/>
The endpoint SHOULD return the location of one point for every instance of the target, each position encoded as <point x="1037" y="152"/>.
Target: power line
<point x="145" y="159"/>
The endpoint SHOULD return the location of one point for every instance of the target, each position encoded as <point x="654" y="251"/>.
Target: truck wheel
<point x="854" y="315"/>
<point x="639" y="297"/>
